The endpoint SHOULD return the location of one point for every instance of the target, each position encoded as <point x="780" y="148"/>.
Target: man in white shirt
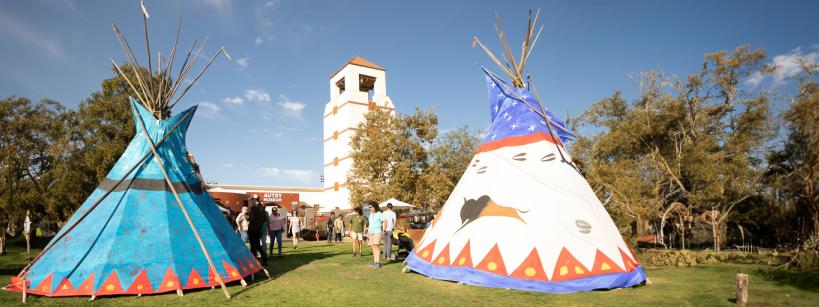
<point x="389" y="217"/>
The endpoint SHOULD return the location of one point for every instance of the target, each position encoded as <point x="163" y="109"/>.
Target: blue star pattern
<point x="512" y="117"/>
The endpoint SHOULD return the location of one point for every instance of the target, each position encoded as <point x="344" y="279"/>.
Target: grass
<point x="322" y="274"/>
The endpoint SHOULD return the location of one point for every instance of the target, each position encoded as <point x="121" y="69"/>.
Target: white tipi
<point x="522" y="216"/>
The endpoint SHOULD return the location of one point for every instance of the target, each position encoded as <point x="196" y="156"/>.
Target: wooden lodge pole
<point x="182" y="206"/>
<point x="742" y="289"/>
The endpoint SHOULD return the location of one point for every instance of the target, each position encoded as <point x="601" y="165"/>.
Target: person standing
<point x="338" y="227"/>
<point x="254" y="230"/>
<point x="242" y="222"/>
<point x="27" y="233"/>
<point x="330" y="227"/>
<point x="357" y="231"/>
<point x="390" y="219"/>
<point x="276" y="228"/>
<point x="375" y="232"/>
<point x="264" y="227"/>
<point x="295" y="229"/>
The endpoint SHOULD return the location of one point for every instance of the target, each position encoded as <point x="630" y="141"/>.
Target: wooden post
<point x="181" y="205"/>
<point x="742" y="289"/>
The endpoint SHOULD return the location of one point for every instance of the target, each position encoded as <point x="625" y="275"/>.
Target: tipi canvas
<point x="137" y="239"/>
<point x="149" y="227"/>
<point x="522" y="216"/>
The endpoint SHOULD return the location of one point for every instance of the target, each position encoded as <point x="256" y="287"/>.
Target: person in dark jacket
<point x="330" y="227"/>
<point x="254" y="230"/>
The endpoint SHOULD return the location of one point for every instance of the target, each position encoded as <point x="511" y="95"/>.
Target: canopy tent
<point x="149" y="227"/>
<point x="396" y="204"/>
<point x="522" y="216"/>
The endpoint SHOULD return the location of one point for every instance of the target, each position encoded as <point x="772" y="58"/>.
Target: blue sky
<point x="259" y="120"/>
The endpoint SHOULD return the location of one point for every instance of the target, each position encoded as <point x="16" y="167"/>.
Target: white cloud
<point x="11" y="27"/>
<point x="291" y="108"/>
<point x="784" y="67"/>
<point x="257" y="95"/>
<point x="228" y="165"/>
<point x="790" y="64"/>
<point x="308" y="28"/>
<point x="208" y="109"/>
<point x="304" y="176"/>
<point x="273" y="4"/>
<point x="242" y="62"/>
<point x="259" y="40"/>
<point x="756" y="78"/>
<point x="233" y="100"/>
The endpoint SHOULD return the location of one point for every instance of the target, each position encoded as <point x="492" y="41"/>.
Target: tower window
<point x="341" y="86"/>
<point x="365" y="83"/>
<point x="335" y="110"/>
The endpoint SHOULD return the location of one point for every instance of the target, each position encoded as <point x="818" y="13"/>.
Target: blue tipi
<point x="132" y="237"/>
<point x="149" y="227"/>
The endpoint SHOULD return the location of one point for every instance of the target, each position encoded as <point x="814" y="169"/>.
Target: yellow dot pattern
<point x="492" y="266"/>
<point x="578" y="270"/>
<point x="196" y="281"/>
<point x="605" y="267"/>
<point x="140" y="287"/>
<point x="530" y="272"/>
<point x="109" y="287"/>
<point x="462" y="261"/>
<point x="234" y="274"/>
<point x="425" y="254"/>
<point x="564" y="270"/>
<point x="169" y="284"/>
<point x="441" y="260"/>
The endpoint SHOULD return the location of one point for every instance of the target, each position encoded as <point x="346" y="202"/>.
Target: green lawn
<point x="323" y="274"/>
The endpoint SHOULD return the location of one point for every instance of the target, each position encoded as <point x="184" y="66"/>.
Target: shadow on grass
<point x="805" y="280"/>
<point x="278" y="266"/>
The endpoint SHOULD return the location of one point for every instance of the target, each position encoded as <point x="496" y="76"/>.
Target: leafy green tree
<point x="689" y="148"/>
<point x="794" y="168"/>
<point x="390" y="156"/>
<point x="30" y="134"/>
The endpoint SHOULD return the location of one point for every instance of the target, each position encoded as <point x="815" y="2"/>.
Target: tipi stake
<point x="179" y="201"/>
<point x="93" y="297"/>
<point x="179" y="292"/>
<point x="243" y="282"/>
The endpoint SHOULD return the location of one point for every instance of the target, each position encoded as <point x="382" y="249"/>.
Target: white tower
<point x="356" y="88"/>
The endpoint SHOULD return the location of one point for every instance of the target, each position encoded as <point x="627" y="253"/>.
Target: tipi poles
<point x="182" y="205"/>
<point x="99" y="201"/>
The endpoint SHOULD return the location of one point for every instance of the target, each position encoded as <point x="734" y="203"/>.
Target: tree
<point x="691" y="148"/>
<point x="390" y="155"/>
<point x="28" y="134"/>
<point x="794" y="168"/>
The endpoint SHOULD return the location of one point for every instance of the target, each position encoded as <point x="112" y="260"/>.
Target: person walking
<point x="276" y="228"/>
<point x="390" y="219"/>
<point x="338" y="227"/>
<point x="330" y="227"/>
<point x="242" y="222"/>
<point x="295" y="228"/>
<point x="254" y="230"/>
<point x="375" y="232"/>
<point x="357" y="223"/>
